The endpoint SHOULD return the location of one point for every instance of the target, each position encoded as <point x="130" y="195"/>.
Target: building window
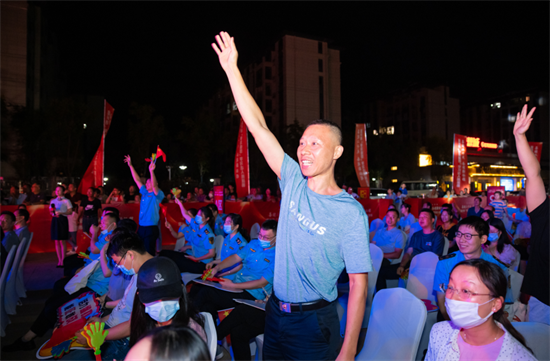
<point x="321" y="98"/>
<point x="268" y="105"/>
<point x="320" y="47"/>
<point x="320" y="65"/>
<point x="268" y="72"/>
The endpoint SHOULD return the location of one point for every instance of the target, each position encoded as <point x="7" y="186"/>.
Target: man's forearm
<point x="356" y="312"/>
<point x="252" y="285"/>
<point x="528" y="160"/>
<point x="228" y="262"/>
<point x="119" y="331"/>
<point x="405" y="260"/>
<point x="136" y="177"/>
<point x="154" y="182"/>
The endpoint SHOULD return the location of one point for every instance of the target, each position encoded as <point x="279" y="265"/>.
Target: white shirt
<point x="123" y="310"/>
<point x="61" y="205"/>
<point x="444" y="346"/>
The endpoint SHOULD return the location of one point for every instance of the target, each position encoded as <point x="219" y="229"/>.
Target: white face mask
<point x="162" y="311"/>
<point x="465" y="314"/>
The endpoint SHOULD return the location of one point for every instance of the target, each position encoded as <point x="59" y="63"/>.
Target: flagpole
<point x="103" y="160"/>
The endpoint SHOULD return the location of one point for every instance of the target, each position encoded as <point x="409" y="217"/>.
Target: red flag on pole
<point x="242" y="170"/>
<point x="160" y="153"/>
<point x="460" y="164"/>
<point x="361" y="158"/>
<point x="95" y="172"/>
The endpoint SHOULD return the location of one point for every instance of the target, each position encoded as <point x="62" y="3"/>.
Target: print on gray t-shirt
<point x="317" y="236"/>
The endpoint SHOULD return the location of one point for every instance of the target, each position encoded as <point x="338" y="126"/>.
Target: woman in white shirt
<point x="60" y="208"/>
<point x="478" y="329"/>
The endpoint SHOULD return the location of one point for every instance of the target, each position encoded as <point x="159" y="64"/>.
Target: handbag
<point x="80" y="279"/>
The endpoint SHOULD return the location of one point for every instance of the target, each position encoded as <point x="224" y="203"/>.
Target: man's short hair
<point x="335" y="128"/>
<point x="124" y="241"/>
<point x="429" y="211"/>
<point x="498" y="192"/>
<point x="393" y="210"/>
<point x="108" y="210"/>
<point x="22" y="206"/>
<point x="478" y="198"/>
<point x="270" y="224"/>
<point x="9" y="214"/>
<point x="481" y="227"/>
<point x="23" y="213"/>
<point x="128" y="224"/>
<point x="114" y="216"/>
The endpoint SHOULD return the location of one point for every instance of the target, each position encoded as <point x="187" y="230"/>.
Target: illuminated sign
<point x="424" y="160"/>
<point x="472" y="142"/>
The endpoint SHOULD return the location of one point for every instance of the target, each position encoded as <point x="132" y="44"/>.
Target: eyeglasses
<point x="464" y="295"/>
<point x="467" y="236"/>
<point x="264" y="238"/>
<point x="121" y="258"/>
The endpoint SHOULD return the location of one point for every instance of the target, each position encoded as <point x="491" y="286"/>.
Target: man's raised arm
<point x="535" y="193"/>
<point x="249" y="110"/>
<point x="136" y="177"/>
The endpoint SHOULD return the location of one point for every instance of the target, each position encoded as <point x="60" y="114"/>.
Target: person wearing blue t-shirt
<point x="403" y="189"/>
<point x="407" y="219"/>
<point x="472" y="233"/>
<point x="390" y="240"/>
<point x="99" y="235"/>
<point x="149" y="207"/>
<point x="202" y="241"/>
<point x="219" y="222"/>
<point x="322" y="229"/>
<point x="476" y="210"/>
<point x="255" y="277"/>
<point x="499" y="205"/>
<point x="232" y="244"/>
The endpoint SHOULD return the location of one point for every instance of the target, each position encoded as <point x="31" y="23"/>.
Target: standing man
<point x="315" y="240"/>
<point x="149" y="216"/>
<point x="89" y="210"/>
<point x="476" y="210"/>
<point x="537" y="273"/>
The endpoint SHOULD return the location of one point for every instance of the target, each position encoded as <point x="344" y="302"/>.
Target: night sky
<point x="160" y="53"/>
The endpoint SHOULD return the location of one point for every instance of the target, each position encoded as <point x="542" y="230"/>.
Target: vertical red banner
<point x="219" y="198"/>
<point x="536" y="147"/>
<point x="242" y="171"/>
<point x="460" y="164"/>
<point x="361" y="159"/>
<point x="95" y="172"/>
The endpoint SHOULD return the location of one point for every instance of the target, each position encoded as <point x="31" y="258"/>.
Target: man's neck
<point x="389" y="228"/>
<point x="473" y="255"/>
<point x="72" y="193"/>
<point x="427" y="230"/>
<point x="7" y="230"/>
<point x="20" y="225"/>
<point x="141" y="259"/>
<point x="324" y="184"/>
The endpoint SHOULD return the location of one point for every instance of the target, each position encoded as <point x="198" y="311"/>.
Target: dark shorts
<point x="59" y="230"/>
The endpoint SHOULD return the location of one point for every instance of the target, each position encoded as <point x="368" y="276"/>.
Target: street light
<point x="105" y="179"/>
<point x="183" y="167"/>
<point x="211" y="180"/>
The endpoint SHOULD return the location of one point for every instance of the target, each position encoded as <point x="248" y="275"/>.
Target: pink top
<point x="507" y="256"/>
<point x="481" y="353"/>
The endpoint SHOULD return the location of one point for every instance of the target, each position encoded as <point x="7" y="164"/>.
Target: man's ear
<point x="483" y="239"/>
<point x="338" y="152"/>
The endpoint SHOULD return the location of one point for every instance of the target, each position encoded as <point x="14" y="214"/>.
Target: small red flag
<point x="223" y="314"/>
<point x="160" y="153"/>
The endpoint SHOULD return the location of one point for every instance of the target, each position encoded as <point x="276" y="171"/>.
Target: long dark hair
<point x="238" y="221"/>
<point x="503" y="239"/>
<point x="177" y="343"/>
<point x="141" y="322"/>
<point x="207" y="213"/>
<point x="494" y="279"/>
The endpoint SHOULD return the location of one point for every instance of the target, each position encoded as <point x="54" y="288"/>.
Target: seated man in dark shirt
<point x="426" y="240"/>
<point x="36" y="196"/>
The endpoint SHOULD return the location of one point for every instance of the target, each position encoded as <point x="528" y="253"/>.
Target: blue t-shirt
<point x="500" y="208"/>
<point x="98" y="282"/>
<point x="218" y="227"/>
<point x="445" y="266"/>
<point x="404" y="191"/>
<point x="388" y="241"/>
<point x="187" y="234"/>
<point x="202" y="240"/>
<point x="230" y="246"/>
<point x="257" y="263"/>
<point x="406" y="221"/>
<point x="317" y="236"/>
<point x="433" y="242"/>
<point x="100" y="243"/>
<point x="149" y="207"/>
<point x="472" y="212"/>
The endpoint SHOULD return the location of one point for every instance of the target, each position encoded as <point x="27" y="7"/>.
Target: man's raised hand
<point x="128" y="160"/>
<point x="152" y="166"/>
<point x="523" y="121"/>
<point x="226" y="50"/>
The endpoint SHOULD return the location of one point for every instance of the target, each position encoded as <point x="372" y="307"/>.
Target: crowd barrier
<point x="252" y="212"/>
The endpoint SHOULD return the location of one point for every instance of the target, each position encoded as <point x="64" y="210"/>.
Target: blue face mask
<point x="265" y="244"/>
<point x="162" y="311"/>
<point x="227" y="228"/>
<point x="198" y="219"/>
<point x="127" y="272"/>
<point x="492" y="237"/>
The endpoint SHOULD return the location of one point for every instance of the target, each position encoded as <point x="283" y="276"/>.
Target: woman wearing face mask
<point x="478" y="329"/>
<point x="161" y="300"/>
<point x="498" y="243"/>
<point x="202" y="242"/>
<point x="233" y="242"/>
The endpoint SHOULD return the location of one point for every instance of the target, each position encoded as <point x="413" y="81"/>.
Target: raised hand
<point x="94" y="229"/>
<point x="523" y="121"/>
<point x="152" y="166"/>
<point x="128" y="160"/>
<point x="226" y="50"/>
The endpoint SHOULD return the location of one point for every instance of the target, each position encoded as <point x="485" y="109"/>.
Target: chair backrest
<point x="376" y="225"/>
<point x="536" y="335"/>
<point x="516" y="279"/>
<point x="395" y="326"/>
<point x="515" y="265"/>
<point x="218" y="242"/>
<point x="421" y="276"/>
<point x="445" y="246"/>
<point x="20" y="282"/>
<point x="254" y="231"/>
<point x="211" y="334"/>
<point x="405" y="244"/>
<point x="6" y="272"/>
<point x="376" y="255"/>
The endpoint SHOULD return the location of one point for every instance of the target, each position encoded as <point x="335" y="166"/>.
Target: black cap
<point x="159" y="278"/>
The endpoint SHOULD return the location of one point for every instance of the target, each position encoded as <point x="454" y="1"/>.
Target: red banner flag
<point x="361" y="159"/>
<point x="460" y="164"/>
<point x="536" y="147"/>
<point x="94" y="174"/>
<point x="219" y="198"/>
<point x="242" y="170"/>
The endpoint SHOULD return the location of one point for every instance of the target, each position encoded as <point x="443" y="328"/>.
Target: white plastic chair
<point x="210" y="329"/>
<point x="421" y="276"/>
<point x="398" y="260"/>
<point x="254" y="231"/>
<point x="516" y="279"/>
<point x="180" y="242"/>
<point x="446" y="247"/>
<point x="536" y="335"/>
<point x="10" y="293"/>
<point x="259" y="347"/>
<point x="4" y="319"/>
<point x="376" y="256"/>
<point x="20" y="281"/>
<point x="395" y="326"/>
<point x="218" y="242"/>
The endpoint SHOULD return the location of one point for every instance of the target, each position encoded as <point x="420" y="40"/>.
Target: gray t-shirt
<point x="317" y="236"/>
